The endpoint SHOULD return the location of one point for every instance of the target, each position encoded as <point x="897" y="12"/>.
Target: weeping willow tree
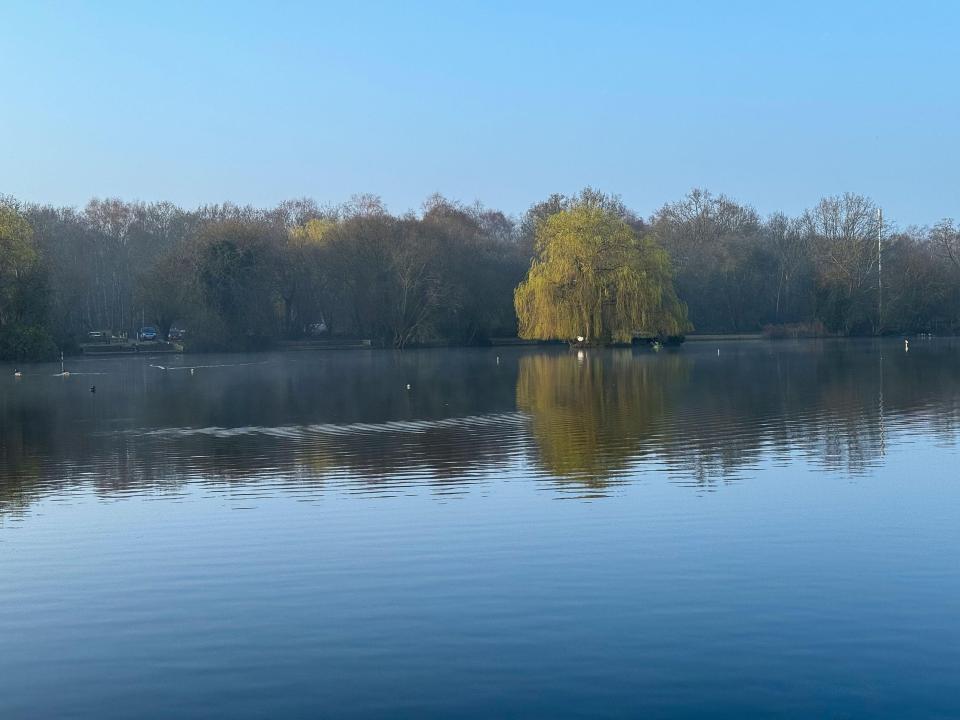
<point x="593" y="278"/>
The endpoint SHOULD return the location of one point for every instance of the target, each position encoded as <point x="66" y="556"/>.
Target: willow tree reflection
<point x="592" y="413"/>
<point x="708" y="418"/>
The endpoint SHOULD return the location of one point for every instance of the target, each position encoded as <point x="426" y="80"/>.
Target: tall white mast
<point x="879" y="270"/>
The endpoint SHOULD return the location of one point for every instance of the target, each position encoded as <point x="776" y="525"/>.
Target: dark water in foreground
<point x="774" y="532"/>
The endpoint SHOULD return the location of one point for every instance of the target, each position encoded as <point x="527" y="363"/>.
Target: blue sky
<point x="772" y="103"/>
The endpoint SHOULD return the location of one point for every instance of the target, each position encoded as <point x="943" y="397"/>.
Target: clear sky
<point x="773" y="103"/>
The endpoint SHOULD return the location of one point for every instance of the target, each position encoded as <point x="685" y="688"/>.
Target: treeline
<point x="242" y="277"/>
<point x="739" y="272"/>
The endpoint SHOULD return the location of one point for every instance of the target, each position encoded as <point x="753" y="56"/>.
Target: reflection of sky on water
<point x="768" y="533"/>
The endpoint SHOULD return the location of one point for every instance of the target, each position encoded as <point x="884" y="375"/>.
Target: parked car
<point x="177" y="333"/>
<point x="148" y="333"/>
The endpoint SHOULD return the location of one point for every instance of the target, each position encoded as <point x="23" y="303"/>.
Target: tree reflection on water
<point x="585" y="420"/>
<point x="593" y="414"/>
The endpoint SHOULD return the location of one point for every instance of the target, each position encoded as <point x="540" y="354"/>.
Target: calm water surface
<point x="771" y="532"/>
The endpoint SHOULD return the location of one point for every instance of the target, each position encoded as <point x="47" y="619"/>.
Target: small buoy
<point x="906" y="346"/>
<point x="498" y="359"/>
<point x="191" y="371"/>
<point x="17" y="373"/>
<point x="718" y="352"/>
<point x="93" y="388"/>
<point x="408" y="386"/>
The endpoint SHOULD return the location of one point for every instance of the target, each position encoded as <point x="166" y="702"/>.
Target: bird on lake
<point x="93" y="388"/>
<point x="17" y="373"/>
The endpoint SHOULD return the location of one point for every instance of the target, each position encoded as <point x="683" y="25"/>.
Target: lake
<point x="750" y="529"/>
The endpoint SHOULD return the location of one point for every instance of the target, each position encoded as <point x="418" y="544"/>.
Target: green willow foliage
<point x="23" y="335"/>
<point x="594" y="278"/>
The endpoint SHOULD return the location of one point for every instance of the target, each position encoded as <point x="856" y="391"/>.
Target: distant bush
<point x="792" y="331"/>
<point x="26" y="343"/>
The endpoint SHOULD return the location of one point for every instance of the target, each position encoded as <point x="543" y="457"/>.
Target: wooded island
<point x="238" y="278"/>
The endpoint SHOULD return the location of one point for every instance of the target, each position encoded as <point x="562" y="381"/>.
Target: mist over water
<point x="768" y="529"/>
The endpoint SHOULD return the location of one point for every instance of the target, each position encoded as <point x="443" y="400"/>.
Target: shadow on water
<point x="381" y="422"/>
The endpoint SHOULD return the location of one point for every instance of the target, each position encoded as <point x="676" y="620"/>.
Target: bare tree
<point x="842" y="231"/>
<point x="945" y="236"/>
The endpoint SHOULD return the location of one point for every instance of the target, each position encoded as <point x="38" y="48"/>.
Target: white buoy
<point x="63" y="372"/>
<point x="17" y="373"/>
<point x="718" y="352"/>
<point x="906" y="346"/>
<point x="408" y="386"/>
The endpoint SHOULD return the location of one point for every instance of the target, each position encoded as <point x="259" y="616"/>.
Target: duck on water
<point x="655" y="342"/>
